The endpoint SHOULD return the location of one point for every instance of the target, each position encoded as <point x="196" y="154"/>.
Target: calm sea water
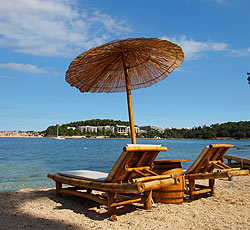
<point x="25" y="162"/>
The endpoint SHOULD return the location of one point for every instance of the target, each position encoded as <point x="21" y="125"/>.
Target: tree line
<point x="64" y="131"/>
<point x="235" y="130"/>
<point x="98" y="122"/>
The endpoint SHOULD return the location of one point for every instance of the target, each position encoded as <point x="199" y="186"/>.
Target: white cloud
<point x="53" y="27"/>
<point x="194" y="49"/>
<point x="28" y="68"/>
<point x="240" y="52"/>
<point x="109" y="23"/>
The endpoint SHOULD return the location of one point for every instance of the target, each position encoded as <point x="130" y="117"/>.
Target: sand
<point x="41" y="209"/>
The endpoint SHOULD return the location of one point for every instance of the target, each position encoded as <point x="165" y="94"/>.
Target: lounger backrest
<point x="206" y="161"/>
<point x="133" y="156"/>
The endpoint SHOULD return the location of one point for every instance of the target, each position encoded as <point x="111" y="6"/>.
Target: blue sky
<point x="40" y="38"/>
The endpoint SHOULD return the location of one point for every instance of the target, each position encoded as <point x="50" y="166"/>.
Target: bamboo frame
<point x="149" y="178"/>
<point x="96" y="198"/>
<point x="137" y="168"/>
<point x="244" y="163"/>
<point x="122" y="180"/>
<point x="112" y="190"/>
<point x="100" y="186"/>
<point x="210" y="158"/>
<point x="135" y="157"/>
<point x="216" y="175"/>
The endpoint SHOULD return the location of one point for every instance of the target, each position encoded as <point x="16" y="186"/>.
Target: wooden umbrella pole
<point x="129" y="100"/>
<point x="130" y="111"/>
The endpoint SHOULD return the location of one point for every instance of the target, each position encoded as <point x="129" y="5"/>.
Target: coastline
<point x="124" y="138"/>
<point x="21" y="137"/>
<point x="42" y="209"/>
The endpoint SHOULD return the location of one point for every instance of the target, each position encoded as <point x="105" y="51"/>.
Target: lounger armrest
<point x="159" y="184"/>
<point x="216" y="175"/>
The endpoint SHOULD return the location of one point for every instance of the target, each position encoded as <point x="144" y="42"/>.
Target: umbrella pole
<point x="130" y="108"/>
<point x="129" y="100"/>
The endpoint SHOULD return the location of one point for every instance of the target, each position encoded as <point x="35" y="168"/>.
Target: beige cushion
<point x="85" y="174"/>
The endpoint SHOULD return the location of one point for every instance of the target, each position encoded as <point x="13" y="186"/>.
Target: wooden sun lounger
<point x="238" y="161"/>
<point x="209" y="165"/>
<point x="131" y="176"/>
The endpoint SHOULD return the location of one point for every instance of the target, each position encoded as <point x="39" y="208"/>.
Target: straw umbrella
<point x="124" y="65"/>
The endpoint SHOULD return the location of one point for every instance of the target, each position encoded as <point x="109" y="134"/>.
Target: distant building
<point x="19" y="134"/>
<point x="122" y="129"/>
<point x="106" y="128"/>
<point x="137" y="129"/>
<point x="88" y="128"/>
<point x="73" y="128"/>
<point x="125" y="130"/>
<point x="149" y="128"/>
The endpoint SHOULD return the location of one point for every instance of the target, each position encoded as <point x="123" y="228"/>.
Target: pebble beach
<point x="41" y="209"/>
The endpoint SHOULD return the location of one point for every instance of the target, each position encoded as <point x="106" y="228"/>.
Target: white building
<point x="122" y="129"/>
<point x="73" y="128"/>
<point x="125" y="130"/>
<point x="88" y="128"/>
<point x="106" y="128"/>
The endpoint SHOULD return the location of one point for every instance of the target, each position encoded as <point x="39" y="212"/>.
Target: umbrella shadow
<point x="20" y="210"/>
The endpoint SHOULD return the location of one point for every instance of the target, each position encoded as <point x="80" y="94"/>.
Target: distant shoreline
<point x="22" y="136"/>
<point x="121" y="138"/>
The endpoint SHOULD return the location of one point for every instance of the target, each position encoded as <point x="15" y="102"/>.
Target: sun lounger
<point x="209" y="166"/>
<point x="131" y="176"/>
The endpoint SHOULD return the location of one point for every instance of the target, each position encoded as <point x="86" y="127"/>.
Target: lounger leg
<point x="191" y="186"/>
<point x="148" y="200"/>
<point x="58" y="187"/>
<point x="212" y="186"/>
<point x="112" y="209"/>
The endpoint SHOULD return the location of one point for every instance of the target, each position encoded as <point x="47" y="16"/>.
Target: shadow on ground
<point x="39" y="209"/>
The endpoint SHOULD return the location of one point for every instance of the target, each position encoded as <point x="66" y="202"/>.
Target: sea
<point x="25" y="162"/>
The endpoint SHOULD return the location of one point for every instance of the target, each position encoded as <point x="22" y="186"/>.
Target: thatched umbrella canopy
<point x="124" y="65"/>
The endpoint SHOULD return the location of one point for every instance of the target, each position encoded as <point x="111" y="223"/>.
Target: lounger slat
<point x="116" y="171"/>
<point x="202" y="161"/>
